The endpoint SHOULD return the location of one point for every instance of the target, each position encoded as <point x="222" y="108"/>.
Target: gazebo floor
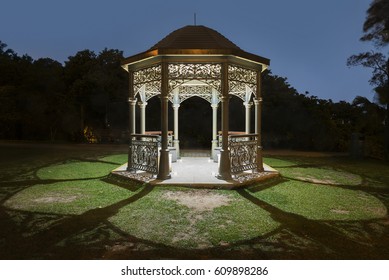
<point x="197" y="172"/>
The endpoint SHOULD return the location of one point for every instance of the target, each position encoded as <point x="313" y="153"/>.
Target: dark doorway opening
<point x="195" y="124"/>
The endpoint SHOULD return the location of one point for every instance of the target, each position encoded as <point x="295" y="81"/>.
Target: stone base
<point x="191" y="173"/>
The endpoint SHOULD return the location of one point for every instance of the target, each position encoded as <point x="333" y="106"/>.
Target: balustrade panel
<point x="145" y="152"/>
<point x="243" y="152"/>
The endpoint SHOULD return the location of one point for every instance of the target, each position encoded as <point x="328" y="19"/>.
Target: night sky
<point x="307" y="41"/>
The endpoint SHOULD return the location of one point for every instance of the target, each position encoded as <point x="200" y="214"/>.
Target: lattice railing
<point x="170" y="136"/>
<point x="145" y="152"/>
<point x="220" y="136"/>
<point x="243" y="152"/>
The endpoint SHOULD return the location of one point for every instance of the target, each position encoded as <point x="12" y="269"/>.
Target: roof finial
<point x="194" y="17"/>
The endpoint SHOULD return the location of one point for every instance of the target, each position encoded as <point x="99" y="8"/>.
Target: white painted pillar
<point x="142" y="106"/>
<point x="176" y="106"/>
<point x="256" y="103"/>
<point x="133" y="116"/>
<point x="176" y="140"/>
<point x="214" y="129"/>
<point x="247" y="105"/>
<point x="214" y="105"/>
<point x="248" y="109"/>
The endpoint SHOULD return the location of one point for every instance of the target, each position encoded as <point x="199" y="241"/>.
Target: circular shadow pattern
<point x="67" y="198"/>
<point x="168" y="219"/>
<point x="75" y="170"/>
<point x="320" y="202"/>
<point x="324" y="176"/>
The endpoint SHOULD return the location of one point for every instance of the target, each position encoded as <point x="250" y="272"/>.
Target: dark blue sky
<point x="307" y="41"/>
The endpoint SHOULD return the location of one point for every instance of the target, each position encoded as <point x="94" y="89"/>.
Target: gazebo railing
<point x="243" y="152"/>
<point x="144" y="150"/>
<point x="170" y="136"/>
<point x="220" y="136"/>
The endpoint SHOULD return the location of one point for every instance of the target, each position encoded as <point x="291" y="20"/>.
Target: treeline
<point x="86" y="100"/>
<point x="45" y="100"/>
<point x="302" y="121"/>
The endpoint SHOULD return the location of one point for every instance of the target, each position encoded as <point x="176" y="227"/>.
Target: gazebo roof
<point x="195" y="40"/>
<point x="195" y="37"/>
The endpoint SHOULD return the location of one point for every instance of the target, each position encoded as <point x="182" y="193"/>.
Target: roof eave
<point x="166" y="51"/>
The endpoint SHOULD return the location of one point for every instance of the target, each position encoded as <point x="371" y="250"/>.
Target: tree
<point x="376" y="30"/>
<point x="376" y="26"/>
<point x="79" y="87"/>
<point x="93" y="81"/>
<point x="294" y="120"/>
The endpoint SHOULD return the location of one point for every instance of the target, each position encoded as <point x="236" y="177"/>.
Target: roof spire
<point x="194" y="18"/>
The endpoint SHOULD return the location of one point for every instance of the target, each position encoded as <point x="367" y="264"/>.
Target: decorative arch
<point x="191" y="89"/>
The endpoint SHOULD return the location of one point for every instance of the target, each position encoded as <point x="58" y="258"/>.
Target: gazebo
<point x="194" y="61"/>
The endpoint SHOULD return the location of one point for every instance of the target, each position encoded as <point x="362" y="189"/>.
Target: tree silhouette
<point x="376" y="30"/>
<point x="376" y="26"/>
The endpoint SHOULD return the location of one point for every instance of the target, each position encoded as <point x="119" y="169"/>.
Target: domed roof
<point x="194" y="40"/>
<point x="195" y="37"/>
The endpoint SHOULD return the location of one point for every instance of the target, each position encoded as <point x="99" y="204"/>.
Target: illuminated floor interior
<point x="197" y="171"/>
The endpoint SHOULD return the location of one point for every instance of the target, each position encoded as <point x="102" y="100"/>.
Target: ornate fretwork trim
<point x="151" y="78"/>
<point x="239" y="79"/>
<point x="185" y="92"/>
<point x="180" y="73"/>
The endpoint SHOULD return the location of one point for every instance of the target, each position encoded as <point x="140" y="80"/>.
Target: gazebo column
<point x="176" y="106"/>
<point x="248" y="109"/>
<point x="258" y="119"/>
<point x="224" y="166"/>
<point x="142" y="106"/>
<point x="131" y="121"/>
<point x="163" y="171"/>
<point x="214" y="129"/>
<point x="247" y="105"/>
<point x="214" y="105"/>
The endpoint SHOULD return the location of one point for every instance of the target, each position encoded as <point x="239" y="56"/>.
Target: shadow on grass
<point x="9" y="186"/>
<point x="318" y="232"/>
<point x="34" y="170"/>
<point x="89" y="235"/>
<point x="16" y="246"/>
<point x="363" y="186"/>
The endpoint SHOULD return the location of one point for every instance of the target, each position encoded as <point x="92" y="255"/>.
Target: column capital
<point x="142" y="104"/>
<point x="248" y="104"/>
<point x="214" y="106"/>
<point x="258" y="101"/>
<point x="176" y="105"/>
<point x="132" y="101"/>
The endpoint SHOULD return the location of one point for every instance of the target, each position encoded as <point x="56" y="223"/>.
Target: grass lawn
<point x="58" y="202"/>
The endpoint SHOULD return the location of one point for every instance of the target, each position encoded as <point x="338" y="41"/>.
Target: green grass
<point x="238" y="221"/>
<point x="76" y="191"/>
<point x="67" y="198"/>
<point x="312" y="192"/>
<point x="169" y="222"/>
<point x="67" y="193"/>
<point x="333" y="171"/>
<point x="320" y="202"/>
